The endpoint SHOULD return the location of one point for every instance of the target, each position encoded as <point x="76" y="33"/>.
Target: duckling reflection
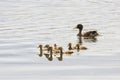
<point x="45" y="48"/>
<point x="80" y="40"/>
<point x="49" y="56"/>
<point x="89" y="34"/>
<point x="41" y="51"/>
<point x="60" y="58"/>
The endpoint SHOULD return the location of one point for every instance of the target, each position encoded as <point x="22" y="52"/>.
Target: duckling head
<point x="46" y="46"/>
<point x="40" y="46"/>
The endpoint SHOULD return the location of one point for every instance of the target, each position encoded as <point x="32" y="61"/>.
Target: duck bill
<point x="75" y="27"/>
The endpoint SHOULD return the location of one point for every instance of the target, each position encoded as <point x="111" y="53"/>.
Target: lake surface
<point x="24" y="24"/>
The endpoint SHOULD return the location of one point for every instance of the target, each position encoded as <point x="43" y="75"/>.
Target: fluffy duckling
<point x="80" y="47"/>
<point x="89" y="34"/>
<point x="49" y="56"/>
<point x="45" y="48"/>
<point x="71" y="47"/>
<point x="56" y="49"/>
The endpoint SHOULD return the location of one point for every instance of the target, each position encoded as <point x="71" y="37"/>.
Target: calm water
<point x="24" y="24"/>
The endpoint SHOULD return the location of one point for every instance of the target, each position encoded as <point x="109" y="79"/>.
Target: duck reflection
<point x="90" y="39"/>
<point x="41" y="51"/>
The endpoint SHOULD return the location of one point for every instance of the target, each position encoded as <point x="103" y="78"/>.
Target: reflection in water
<point x="80" y="40"/>
<point x="90" y="40"/>
<point x="59" y="51"/>
<point x="49" y="56"/>
<point x="60" y="58"/>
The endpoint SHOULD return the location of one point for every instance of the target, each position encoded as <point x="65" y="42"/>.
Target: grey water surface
<point x="24" y="24"/>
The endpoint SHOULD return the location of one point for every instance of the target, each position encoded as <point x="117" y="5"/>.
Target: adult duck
<point x="89" y="34"/>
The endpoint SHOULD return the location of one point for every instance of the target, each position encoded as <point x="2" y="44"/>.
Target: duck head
<point x="79" y="26"/>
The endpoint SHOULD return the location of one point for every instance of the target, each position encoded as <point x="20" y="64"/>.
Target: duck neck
<point x="80" y="32"/>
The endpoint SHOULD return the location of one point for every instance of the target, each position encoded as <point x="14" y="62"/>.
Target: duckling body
<point x="89" y="34"/>
<point x="83" y="48"/>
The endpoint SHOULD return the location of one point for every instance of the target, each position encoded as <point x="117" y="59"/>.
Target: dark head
<point x="46" y="46"/>
<point x="79" y="26"/>
<point x="40" y="46"/>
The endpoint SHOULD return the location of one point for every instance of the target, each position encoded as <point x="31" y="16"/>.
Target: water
<point x="24" y="24"/>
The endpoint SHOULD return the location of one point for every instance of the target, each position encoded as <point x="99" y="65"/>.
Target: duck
<point x="49" y="56"/>
<point x="71" y="47"/>
<point x="89" y="34"/>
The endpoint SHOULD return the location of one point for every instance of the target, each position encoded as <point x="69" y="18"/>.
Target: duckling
<point x="56" y="49"/>
<point x="89" y="34"/>
<point x="45" y="48"/>
<point x="70" y="47"/>
<point x="80" y="47"/>
<point x="60" y="58"/>
<point x="49" y="56"/>
<point x="83" y="48"/>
